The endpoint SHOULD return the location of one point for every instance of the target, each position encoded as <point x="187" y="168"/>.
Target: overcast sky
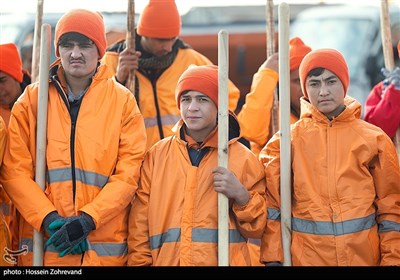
<point x="15" y="6"/>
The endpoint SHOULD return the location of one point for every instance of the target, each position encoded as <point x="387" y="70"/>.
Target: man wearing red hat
<point x="345" y="178"/>
<point x="255" y="115"/>
<point x="96" y="142"/>
<point x="13" y="80"/>
<point x="174" y="217"/>
<point x="382" y="107"/>
<point x="160" y="58"/>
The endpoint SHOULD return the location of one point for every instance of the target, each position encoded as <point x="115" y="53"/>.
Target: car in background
<point x="354" y="31"/>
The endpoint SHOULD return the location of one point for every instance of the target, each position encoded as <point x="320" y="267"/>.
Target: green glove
<point x="52" y="222"/>
<point x="80" y="248"/>
<point x="71" y="234"/>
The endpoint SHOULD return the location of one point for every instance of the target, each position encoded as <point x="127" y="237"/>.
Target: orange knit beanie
<point x="85" y="22"/>
<point x="199" y="78"/>
<point x="10" y="61"/>
<point x="160" y="19"/>
<point x="329" y="59"/>
<point x="297" y="51"/>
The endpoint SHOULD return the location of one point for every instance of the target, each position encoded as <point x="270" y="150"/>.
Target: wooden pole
<point x="270" y="29"/>
<point x="36" y="41"/>
<point x="40" y="172"/>
<point x="130" y="41"/>
<point x="388" y="54"/>
<point x="285" y="139"/>
<point x="223" y="132"/>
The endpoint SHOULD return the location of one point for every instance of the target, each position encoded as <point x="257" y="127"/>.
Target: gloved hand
<point x="71" y="234"/>
<point x="391" y="77"/>
<point x="80" y="248"/>
<point x="55" y="220"/>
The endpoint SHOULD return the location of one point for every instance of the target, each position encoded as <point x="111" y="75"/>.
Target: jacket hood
<point x="352" y="111"/>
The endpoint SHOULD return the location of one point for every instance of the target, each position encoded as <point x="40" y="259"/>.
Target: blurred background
<point x="353" y="29"/>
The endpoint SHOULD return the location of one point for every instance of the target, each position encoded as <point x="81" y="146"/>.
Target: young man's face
<point x="199" y="113"/>
<point x="158" y="46"/>
<point x="79" y="58"/>
<point x="326" y="93"/>
<point x="10" y="89"/>
<point x="295" y="91"/>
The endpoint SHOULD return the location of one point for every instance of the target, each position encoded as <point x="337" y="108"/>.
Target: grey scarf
<point x="157" y="63"/>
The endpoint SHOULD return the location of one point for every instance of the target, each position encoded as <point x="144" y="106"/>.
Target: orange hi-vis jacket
<point x="255" y="118"/>
<point x="5" y="113"/>
<point x="8" y="209"/>
<point x="174" y="216"/>
<point x="255" y="115"/>
<point x="5" y="234"/>
<point x="93" y="166"/>
<point x="156" y="98"/>
<point x="10" y="214"/>
<point x="345" y="192"/>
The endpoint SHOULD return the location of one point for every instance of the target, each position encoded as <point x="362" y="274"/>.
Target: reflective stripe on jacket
<point x="104" y="157"/>
<point x="173" y="220"/>
<point x="163" y="89"/>
<point x="346" y="192"/>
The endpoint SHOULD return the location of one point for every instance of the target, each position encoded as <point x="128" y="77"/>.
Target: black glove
<point x="55" y="220"/>
<point x="71" y="234"/>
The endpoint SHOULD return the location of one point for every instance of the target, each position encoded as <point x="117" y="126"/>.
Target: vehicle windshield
<point x="8" y="34"/>
<point x="9" y="29"/>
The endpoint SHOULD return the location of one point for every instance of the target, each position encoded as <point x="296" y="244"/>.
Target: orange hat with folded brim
<point x="10" y="61"/>
<point x="202" y="78"/>
<point x="85" y="22"/>
<point x="297" y="51"/>
<point x="159" y="19"/>
<point x="329" y="59"/>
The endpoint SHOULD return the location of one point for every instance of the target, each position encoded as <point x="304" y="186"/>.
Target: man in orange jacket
<point x="255" y="115"/>
<point x="159" y="58"/>
<point x="174" y="217"/>
<point x="345" y="178"/>
<point x="96" y="142"/>
<point x="13" y="80"/>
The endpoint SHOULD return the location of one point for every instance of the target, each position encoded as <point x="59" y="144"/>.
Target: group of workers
<point x="132" y="175"/>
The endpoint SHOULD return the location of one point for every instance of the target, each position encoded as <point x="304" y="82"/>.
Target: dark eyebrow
<point x="332" y="77"/>
<point x="197" y="95"/>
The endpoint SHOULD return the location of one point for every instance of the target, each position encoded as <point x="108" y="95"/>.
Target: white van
<point x="353" y="30"/>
